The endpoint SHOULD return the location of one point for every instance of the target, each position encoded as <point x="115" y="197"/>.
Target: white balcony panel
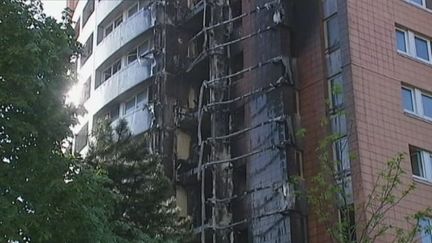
<point x="126" y="32"/>
<point x="125" y="79"/>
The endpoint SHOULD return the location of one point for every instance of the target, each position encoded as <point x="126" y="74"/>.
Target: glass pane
<point x="116" y="67"/>
<point x="132" y="56"/>
<point x="133" y="10"/>
<point x="118" y="21"/>
<point x="108" y="30"/>
<point x="416" y="164"/>
<point x="334" y="63"/>
<point x="330" y="7"/>
<point x="332" y="32"/>
<point x="429" y="4"/>
<point x="141" y="97"/>
<point x="426" y="234"/>
<point x="339" y="124"/>
<point x="130" y="106"/>
<point x="427" y="105"/>
<point x="401" y="41"/>
<point x="342" y="154"/>
<point x="114" y="112"/>
<point x="143" y="48"/>
<point x="336" y="90"/>
<point x="419" y="2"/>
<point x="107" y="74"/>
<point x="407" y="99"/>
<point x="421" y="48"/>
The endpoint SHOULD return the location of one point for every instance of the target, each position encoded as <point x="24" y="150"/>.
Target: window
<point x="422" y="48"/>
<point x="408" y="99"/>
<point x="427" y="105"/>
<point x="426" y="230"/>
<point x="108" y="30"/>
<point x="81" y="138"/>
<point x="129" y="106"/>
<point x="132" y="56"/>
<point x="421" y="163"/>
<point x="139" y="51"/>
<point x="88" y="10"/>
<point x="414" y="45"/>
<point x="330" y="7"/>
<point x="336" y="92"/>
<point x="334" y="63"/>
<point x="133" y="10"/>
<point x="116" y="67"/>
<point x="118" y="21"/>
<point x="339" y="124"/>
<point x="332" y="32"/>
<point x="87" y="50"/>
<point x="422" y="3"/>
<point x="112" y="25"/>
<point x="109" y="72"/>
<point x="417" y="102"/>
<point x="341" y="155"/>
<point x="137" y="102"/>
<point x="401" y="40"/>
<point x="86" y="91"/>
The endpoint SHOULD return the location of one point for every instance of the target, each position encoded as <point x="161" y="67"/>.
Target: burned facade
<point x="218" y="95"/>
<point x="223" y="88"/>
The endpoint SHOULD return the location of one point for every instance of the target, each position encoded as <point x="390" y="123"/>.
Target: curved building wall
<point x="116" y="61"/>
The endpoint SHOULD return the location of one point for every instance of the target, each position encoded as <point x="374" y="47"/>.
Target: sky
<point x="54" y="7"/>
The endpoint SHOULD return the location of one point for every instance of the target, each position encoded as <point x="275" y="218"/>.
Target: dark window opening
<point x="88" y="10"/>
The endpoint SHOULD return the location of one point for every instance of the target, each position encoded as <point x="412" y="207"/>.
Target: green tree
<point x="45" y="196"/>
<point x="146" y="203"/>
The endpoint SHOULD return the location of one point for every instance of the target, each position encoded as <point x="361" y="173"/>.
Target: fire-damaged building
<point x="231" y="93"/>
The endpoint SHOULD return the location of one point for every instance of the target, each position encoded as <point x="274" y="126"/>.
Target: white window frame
<point x="133" y="6"/>
<point x="411" y="46"/>
<point x="113" y="25"/>
<point x="418" y="102"/>
<point x="422" y="5"/>
<point x="137" y="105"/>
<point x="407" y="46"/>
<point x="426" y="161"/>
<point x="428" y="44"/>
<point x="111" y="69"/>
<point x="413" y="100"/>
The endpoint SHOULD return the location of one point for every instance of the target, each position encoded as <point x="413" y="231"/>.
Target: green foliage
<point x="145" y="203"/>
<point x="45" y="196"/>
<point x="327" y="195"/>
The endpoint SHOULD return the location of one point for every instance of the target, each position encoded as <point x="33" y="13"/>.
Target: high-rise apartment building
<point x="222" y="87"/>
